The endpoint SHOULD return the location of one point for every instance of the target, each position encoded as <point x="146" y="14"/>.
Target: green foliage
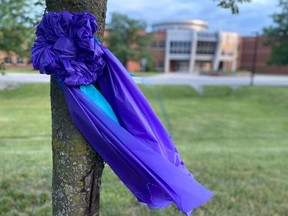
<point x="18" y="19"/>
<point x="277" y="35"/>
<point x="127" y="38"/>
<point x="2" y="67"/>
<point x="234" y="142"/>
<point x="14" y="26"/>
<point x="232" y="4"/>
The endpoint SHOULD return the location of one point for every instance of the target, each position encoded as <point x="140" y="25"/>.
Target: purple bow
<point x="65" y="47"/>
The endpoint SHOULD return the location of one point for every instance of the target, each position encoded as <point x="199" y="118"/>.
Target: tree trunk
<point x="77" y="169"/>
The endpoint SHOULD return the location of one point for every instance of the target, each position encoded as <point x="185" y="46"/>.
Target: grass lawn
<point x="145" y="74"/>
<point x="234" y="142"/>
<point x="20" y="70"/>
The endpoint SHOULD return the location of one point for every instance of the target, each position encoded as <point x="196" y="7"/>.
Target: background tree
<point x="277" y="35"/>
<point x="16" y="26"/>
<point x="232" y="4"/>
<point x="127" y="38"/>
<point x="77" y="169"/>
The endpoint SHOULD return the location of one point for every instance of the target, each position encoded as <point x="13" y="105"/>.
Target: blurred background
<point x="215" y="72"/>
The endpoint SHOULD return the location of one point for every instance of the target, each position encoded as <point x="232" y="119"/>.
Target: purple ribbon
<point x="65" y="47"/>
<point x="138" y="149"/>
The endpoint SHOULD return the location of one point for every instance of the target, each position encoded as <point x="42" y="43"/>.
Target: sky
<point x="253" y="16"/>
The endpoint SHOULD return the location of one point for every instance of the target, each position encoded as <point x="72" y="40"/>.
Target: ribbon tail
<point x="149" y="176"/>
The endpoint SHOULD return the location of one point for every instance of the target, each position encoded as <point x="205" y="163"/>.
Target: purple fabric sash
<point x="139" y="150"/>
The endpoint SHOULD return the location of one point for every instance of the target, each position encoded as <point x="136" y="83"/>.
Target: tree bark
<point x="77" y="169"/>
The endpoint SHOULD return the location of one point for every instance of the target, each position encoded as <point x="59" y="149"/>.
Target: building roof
<point x="186" y="24"/>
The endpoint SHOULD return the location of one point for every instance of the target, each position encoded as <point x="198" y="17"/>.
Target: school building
<point x="190" y="47"/>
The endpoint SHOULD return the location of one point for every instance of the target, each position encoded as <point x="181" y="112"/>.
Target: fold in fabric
<point x="116" y="119"/>
<point x="149" y="176"/>
<point x="99" y="100"/>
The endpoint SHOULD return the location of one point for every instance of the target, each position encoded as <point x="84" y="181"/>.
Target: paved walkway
<point x="24" y="78"/>
<point x="195" y="81"/>
<point x="13" y="80"/>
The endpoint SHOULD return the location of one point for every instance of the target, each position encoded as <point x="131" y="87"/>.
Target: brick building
<point x="12" y="60"/>
<point x="253" y="48"/>
<point x="157" y="49"/>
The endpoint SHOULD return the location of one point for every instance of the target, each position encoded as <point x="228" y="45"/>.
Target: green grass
<point x="20" y="70"/>
<point x="145" y="74"/>
<point x="234" y="142"/>
<point x="25" y="152"/>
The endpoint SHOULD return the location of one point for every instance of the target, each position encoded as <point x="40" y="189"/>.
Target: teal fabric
<point x="99" y="100"/>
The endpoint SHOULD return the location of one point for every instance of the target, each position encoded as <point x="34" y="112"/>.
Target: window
<point x="204" y="65"/>
<point x="227" y="52"/>
<point x="20" y="61"/>
<point x="154" y="44"/>
<point x="206" y="35"/>
<point x="162" y="44"/>
<point x="8" y="60"/>
<point x="160" y="64"/>
<point x="180" y="47"/>
<point x="206" y="47"/>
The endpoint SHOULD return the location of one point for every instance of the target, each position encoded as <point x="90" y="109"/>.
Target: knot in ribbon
<point x="65" y="47"/>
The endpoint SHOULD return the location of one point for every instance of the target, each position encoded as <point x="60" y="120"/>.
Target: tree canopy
<point x="232" y="4"/>
<point x="277" y="35"/>
<point x="17" y="25"/>
<point x="127" y="38"/>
